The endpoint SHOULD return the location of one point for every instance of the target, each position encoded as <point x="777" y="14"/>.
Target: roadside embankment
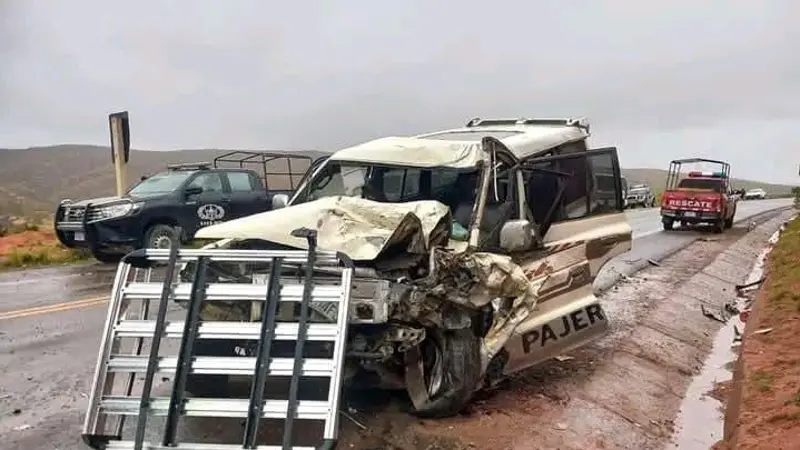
<point x="31" y="245"/>
<point x="764" y="403"/>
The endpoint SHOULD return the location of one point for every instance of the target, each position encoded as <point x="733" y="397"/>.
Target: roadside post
<point x="120" y="147"/>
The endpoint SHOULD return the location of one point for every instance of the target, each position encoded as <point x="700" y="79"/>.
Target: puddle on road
<point x="23" y="288"/>
<point x="699" y="424"/>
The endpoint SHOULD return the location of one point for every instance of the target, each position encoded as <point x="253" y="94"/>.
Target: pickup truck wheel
<point x="106" y="257"/>
<point x="668" y="223"/>
<point x="158" y="236"/>
<point x="719" y="226"/>
<point x="729" y="222"/>
<point x="443" y="372"/>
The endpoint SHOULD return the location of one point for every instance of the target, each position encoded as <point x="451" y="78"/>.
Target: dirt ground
<point x="26" y="239"/>
<point x="764" y="406"/>
<point x="35" y="248"/>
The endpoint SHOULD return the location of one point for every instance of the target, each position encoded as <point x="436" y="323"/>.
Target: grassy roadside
<point x="31" y="245"/>
<point x="767" y="410"/>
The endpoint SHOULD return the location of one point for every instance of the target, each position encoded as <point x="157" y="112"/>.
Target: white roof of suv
<point x="461" y="147"/>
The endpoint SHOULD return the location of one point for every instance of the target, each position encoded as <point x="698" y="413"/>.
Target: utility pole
<point x="120" y="147"/>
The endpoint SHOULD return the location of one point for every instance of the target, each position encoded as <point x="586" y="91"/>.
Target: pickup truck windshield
<point x="391" y="184"/>
<point x="161" y="183"/>
<point x="707" y="184"/>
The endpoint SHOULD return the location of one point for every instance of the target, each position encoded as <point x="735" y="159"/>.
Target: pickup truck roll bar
<point x="242" y="157"/>
<point x="674" y="174"/>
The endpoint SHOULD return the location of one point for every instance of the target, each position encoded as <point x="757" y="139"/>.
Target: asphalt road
<point x="51" y="320"/>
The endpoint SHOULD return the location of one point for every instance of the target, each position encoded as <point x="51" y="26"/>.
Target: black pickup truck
<point x="186" y="197"/>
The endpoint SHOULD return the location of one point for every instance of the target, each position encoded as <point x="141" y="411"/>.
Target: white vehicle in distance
<point x="755" y="194"/>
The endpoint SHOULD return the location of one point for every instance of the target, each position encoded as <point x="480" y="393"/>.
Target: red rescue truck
<point x="700" y="197"/>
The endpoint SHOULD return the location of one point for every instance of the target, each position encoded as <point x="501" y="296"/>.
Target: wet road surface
<point x="48" y="347"/>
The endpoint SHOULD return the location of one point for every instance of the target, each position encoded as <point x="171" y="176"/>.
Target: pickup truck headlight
<point x="114" y="211"/>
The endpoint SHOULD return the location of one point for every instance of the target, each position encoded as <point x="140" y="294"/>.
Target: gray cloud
<point x="659" y="79"/>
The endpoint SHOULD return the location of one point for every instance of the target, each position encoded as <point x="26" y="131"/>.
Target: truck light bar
<point x="697" y="174"/>
<point x="202" y="165"/>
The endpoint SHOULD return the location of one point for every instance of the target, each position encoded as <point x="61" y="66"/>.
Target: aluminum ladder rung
<point x="223" y="365"/>
<point x="245" y="256"/>
<point x="216" y="407"/>
<point x="284" y="331"/>
<point x="277" y="288"/>
<point x="129" y="445"/>
<point x="234" y="292"/>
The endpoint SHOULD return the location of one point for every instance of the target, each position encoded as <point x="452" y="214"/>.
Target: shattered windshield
<point x="161" y="183"/>
<point x="392" y="184"/>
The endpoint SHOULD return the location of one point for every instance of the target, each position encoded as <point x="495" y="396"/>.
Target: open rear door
<point x="577" y="201"/>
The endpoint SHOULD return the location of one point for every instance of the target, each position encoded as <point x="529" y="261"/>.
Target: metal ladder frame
<point x="102" y="405"/>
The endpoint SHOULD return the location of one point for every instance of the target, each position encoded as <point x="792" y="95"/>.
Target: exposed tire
<point x="668" y="224"/>
<point x="459" y="366"/>
<point x="106" y="257"/>
<point x="158" y="236"/>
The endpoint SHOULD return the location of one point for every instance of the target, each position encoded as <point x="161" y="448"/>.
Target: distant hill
<point x="657" y="179"/>
<point x="32" y="181"/>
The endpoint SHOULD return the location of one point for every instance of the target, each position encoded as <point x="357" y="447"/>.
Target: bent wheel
<point x="443" y="372"/>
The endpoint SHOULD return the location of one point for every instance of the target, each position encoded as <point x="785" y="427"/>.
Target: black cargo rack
<point x="262" y="159"/>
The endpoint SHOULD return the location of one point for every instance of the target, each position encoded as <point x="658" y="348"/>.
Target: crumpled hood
<point x="360" y="228"/>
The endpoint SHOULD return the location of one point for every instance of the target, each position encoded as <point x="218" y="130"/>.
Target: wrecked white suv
<point x="475" y="251"/>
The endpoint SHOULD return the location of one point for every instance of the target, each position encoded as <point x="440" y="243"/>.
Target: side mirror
<point x="517" y="236"/>
<point x="280" y="201"/>
<point x="193" y="190"/>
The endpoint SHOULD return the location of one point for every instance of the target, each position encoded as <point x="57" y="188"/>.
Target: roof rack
<point x="202" y="165"/>
<point x="568" y="122"/>
<point x="243" y="157"/>
<point x="262" y="158"/>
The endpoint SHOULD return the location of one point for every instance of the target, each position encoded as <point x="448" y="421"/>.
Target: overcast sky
<point x="658" y="79"/>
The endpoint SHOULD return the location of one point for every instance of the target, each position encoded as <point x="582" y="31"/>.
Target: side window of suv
<point x="580" y="184"/>
<point x="209" y="181"/>
<point x="400" y="185"/>
<point x="240" y="181"/>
